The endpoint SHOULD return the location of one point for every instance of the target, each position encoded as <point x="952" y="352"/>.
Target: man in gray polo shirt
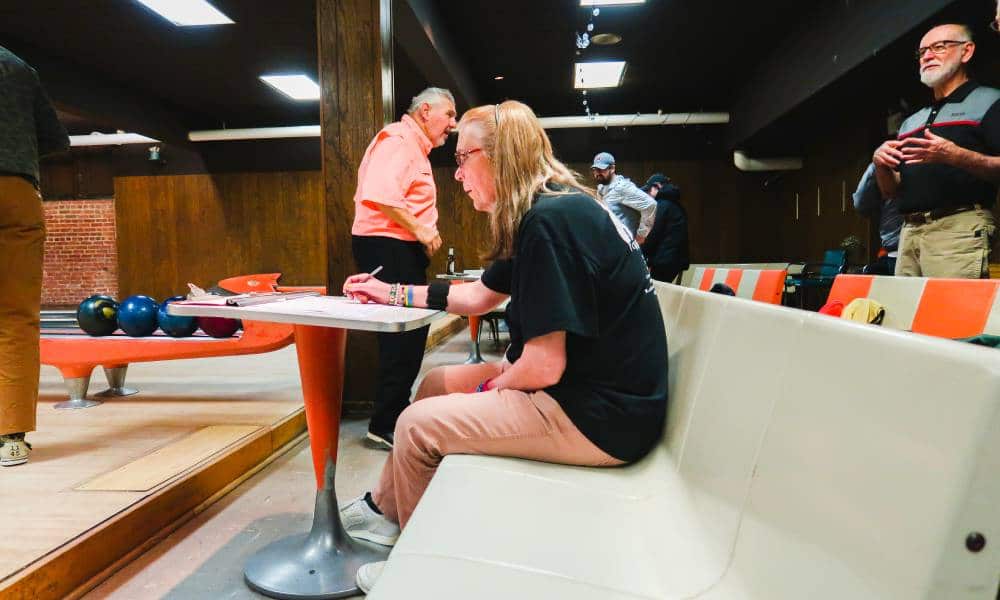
<point x="943" y="168"/>
<point x="633" y="207"/>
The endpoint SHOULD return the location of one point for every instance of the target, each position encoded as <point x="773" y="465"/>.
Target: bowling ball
<point x="98" y="315"/>
<point x="218" y="327"/>
<point x="173" y="325"/>
<point x="137" y="315"/>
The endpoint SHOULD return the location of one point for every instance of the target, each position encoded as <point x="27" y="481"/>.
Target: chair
<point x="493" y="318"/>
<point x="816" y="275"/>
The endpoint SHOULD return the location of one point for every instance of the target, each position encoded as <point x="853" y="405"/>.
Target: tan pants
<point x="22" y="235"/>
<point x="442" y="420"/>
<point x="956" y="246"/>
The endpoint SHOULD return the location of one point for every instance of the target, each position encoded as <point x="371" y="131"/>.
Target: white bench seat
<point x="804" y="457"/>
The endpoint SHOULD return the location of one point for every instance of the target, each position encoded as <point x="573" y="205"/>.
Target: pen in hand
<point x="373" y="273"/>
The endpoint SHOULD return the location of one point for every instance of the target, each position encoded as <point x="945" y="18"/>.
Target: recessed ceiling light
<point x="598" y="74"/>
<point x="606" y="39"/>
<point x="296" y="87"/>
<point x="186" y="13"/>
<point x="609" y="2"/>
<point x="498" y="77"/>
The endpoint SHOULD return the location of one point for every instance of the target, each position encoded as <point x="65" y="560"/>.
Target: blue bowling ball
<point x="173" y="325"/>
<point x="137" y="315"/>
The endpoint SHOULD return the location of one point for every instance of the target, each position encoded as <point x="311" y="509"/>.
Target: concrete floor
<point x="205" y="557"/>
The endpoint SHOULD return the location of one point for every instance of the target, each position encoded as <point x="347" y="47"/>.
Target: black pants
<point x="399" y="354"/>
<point x="665" y="273"/>
<point x="885" y="265"/>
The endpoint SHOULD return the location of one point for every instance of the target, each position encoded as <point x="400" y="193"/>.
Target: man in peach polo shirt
<point x="395" y="227"/>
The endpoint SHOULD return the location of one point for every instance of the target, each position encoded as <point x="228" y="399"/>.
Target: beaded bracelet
<point x="393" y="292"/>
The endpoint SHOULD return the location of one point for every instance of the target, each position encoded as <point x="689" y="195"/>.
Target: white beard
<point x="943" y="73"/>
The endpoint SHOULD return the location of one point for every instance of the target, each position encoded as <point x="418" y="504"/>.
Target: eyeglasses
<point x="461" y="157"/>
<point x="995" y="25"/>
<point x="938" y="48"/>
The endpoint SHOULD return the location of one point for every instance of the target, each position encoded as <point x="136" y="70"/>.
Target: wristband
<point x="484" y="386"/>
<point x="437" y="295"/>
<point x="409" y="295"/>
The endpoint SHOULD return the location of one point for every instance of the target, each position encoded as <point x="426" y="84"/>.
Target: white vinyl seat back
<point x="689" y="341"/>
<point x="747" y="363"/>
<point x="881" y="457"/>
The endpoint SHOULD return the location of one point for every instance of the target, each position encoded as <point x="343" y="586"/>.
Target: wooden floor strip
<point x="169" y="461"/>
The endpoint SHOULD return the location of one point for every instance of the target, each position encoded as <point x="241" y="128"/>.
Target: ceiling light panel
<point x="605" y="74"/>
<point x="610" y="2"/>
<point x="187" y="13"/>
<point x="296" y="87"/>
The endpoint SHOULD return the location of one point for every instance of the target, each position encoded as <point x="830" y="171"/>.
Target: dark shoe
<point x="382" y="441"/>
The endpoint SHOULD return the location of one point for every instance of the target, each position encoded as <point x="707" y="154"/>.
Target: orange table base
<point x="322" y="563"/>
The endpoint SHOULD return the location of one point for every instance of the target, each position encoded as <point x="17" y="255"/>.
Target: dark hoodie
<point x="666" y="246"/>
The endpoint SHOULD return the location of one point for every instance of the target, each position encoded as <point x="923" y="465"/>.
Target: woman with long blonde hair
<point x="584" y="381"/>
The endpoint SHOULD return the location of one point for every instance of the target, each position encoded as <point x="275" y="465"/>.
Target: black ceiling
<point x="683" y="55"/>
<point x="680" y="54"/>
<point x="208" y="74"/>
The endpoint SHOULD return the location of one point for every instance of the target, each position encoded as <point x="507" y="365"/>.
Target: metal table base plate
<point x="320" y="564"/>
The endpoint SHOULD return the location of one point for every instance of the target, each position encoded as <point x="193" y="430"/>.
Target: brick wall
<point x="81" y="256"/>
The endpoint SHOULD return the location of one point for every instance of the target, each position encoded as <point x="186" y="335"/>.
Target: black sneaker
<point x="382" y="441"/>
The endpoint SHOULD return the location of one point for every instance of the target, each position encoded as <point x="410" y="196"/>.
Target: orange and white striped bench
<point x="763" y="285"/>
<point x="688" y="275"/>
<point x="951" y="308"/>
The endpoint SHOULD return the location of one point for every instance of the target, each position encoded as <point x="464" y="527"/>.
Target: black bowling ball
<point x="98" y="315"/>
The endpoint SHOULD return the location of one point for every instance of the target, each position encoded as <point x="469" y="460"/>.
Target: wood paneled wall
<point x="730" y="216"/>
<point x="461" y="227"/>
<point x="832" y="167"/>
<point x="202" y="228"/>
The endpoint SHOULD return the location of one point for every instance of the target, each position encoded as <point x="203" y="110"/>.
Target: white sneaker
<point x="368" y="574"/>
<point x="363" y="523"/>
<point x="13" y="450"/>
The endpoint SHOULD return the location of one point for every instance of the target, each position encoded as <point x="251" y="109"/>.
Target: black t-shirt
<point x="969" y="117"/>
<point x="574" y="270"/>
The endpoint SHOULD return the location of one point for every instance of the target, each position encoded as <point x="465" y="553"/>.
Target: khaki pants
<point x="442" y="420"/>
<point x="22" y="235"/>
<point x="956" y="246"/>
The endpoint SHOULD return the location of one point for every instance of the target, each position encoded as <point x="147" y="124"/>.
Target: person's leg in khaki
<point x="22" y="236"/>
<point x="959" y="246"/>
<point x="908" y="261"/>
<point x="496" y="423"/>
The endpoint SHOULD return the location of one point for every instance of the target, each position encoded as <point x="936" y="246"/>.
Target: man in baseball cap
<point x="633" y="207"/>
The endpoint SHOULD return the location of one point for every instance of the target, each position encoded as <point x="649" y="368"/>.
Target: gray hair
<point x="432" y="96"/>
<point x="963" y="27"/>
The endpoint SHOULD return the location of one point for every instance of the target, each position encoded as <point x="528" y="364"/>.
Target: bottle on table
<point x="451" y="261"/>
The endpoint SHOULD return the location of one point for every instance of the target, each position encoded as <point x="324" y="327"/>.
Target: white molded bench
<point x="804" y="458"/>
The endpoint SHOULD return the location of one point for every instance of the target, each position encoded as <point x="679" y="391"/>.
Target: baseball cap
<point x="603" y="161"/>
<point x="658" y="179"/>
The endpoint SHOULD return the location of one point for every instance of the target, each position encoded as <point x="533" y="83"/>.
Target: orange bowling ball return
<point x="77" y="356"/>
